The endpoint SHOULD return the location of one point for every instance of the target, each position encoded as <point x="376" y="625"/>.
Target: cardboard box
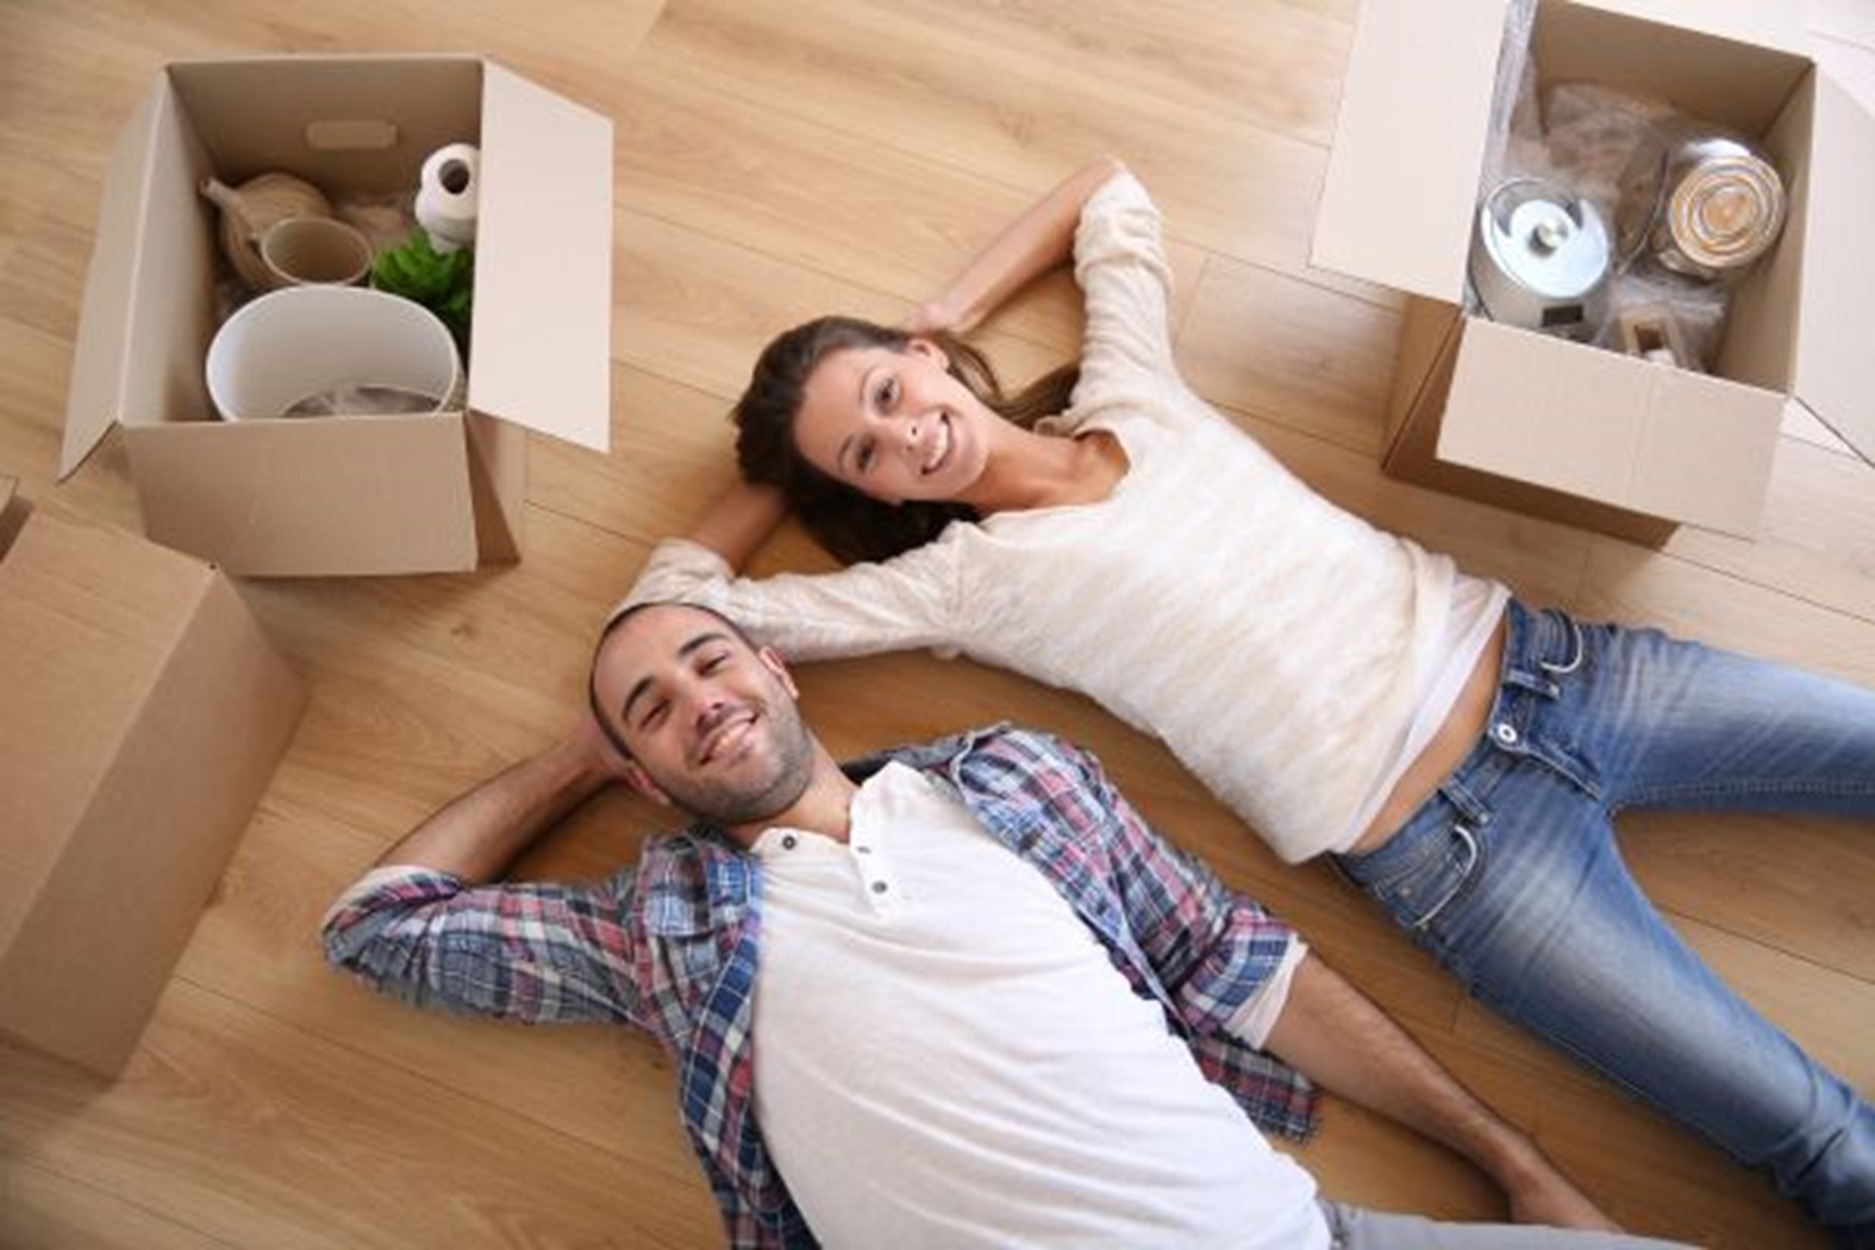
<point x="385" y="494"/>
<point x="1586" y="435"/>
<point x="144" y="713"/>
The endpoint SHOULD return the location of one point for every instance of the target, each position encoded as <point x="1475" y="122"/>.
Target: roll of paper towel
<point x="446" y="196"/>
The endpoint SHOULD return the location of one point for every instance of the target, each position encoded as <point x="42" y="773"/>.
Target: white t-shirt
<point x="1293" y="656"/>
<point x="945" y="1056"/>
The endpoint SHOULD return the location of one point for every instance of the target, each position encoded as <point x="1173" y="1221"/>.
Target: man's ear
<point x="771" y="659"/>
<point x="929" y="348"/>
<point x="640" y="780"/>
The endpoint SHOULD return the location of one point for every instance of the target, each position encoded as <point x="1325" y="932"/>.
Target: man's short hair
<point x="612" y="625"/>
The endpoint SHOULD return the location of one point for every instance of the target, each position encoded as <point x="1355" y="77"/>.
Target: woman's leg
<point x="1669" y="723"/>
<point x="1512" y="877"/>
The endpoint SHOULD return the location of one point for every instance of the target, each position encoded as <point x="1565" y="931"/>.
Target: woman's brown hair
<point x="852" y="525"/>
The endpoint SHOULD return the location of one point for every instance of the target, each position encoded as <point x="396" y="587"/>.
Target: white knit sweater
<point x="1294" y="657"/>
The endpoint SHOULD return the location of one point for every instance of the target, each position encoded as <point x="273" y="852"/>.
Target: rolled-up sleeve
<point x="1259" y="1013"/>
<point x="1223" y="959"/>
<point x="535" y="953"/>
<point x="1120" y="263"/>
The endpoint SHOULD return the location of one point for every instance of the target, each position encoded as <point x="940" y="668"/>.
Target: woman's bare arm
<point x="740" y="522"/>
<point x="1041" y="238"/>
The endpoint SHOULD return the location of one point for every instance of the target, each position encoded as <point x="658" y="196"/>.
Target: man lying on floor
<point x="954" y="995"/>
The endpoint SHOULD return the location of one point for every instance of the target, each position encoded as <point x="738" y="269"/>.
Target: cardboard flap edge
<point x="1402" y="176"/>
<point x="96" y="394"/>
<point x="542" y="327"/>
<point x="1835" y="375"/>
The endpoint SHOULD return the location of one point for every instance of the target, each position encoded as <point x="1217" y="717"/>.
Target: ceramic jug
<point x="256" y="206"/>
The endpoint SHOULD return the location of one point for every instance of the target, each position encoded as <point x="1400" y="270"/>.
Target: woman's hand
<point x="741" y="521"/>
<point x="1035" y="242"/>
<point x="931" y="317"/>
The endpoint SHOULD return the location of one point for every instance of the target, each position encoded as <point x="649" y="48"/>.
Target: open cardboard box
<point x="144" y="714"/>
<point x="381" y="494"/>
<point x="1575" y="432"/>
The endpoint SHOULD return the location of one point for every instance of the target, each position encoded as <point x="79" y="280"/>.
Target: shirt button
<point x="879" y="887"/>
<point x="1506" y="734"/>
<point x="863" y="850"/>
<point x="788" y="842"/>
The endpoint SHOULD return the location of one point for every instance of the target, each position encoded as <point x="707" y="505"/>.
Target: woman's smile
<point x="938" y="453"/>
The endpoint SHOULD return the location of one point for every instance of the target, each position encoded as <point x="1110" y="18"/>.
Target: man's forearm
<point x="1331" y="1033"/>
<point x="477" y="835"/>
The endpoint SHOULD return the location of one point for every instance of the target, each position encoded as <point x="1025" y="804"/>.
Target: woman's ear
<point x="929" y="349"/>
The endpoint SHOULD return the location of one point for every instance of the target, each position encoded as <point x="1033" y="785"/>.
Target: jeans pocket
<point x="1433" y="882"/>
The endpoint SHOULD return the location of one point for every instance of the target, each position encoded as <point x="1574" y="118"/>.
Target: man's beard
<point x="725" y="801"/>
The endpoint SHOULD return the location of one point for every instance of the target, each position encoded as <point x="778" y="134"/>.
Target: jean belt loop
<point x="1470" y="808"/>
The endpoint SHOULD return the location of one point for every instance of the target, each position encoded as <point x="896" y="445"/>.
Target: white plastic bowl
<point x="302" y="341"/>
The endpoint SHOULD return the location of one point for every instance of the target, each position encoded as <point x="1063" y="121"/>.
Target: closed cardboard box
<point x="143" y="715"/>
<point x="339" y="495"/>
<point x="1558" y="428"/>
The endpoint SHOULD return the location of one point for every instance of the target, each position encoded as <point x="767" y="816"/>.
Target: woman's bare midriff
<point x="1463" y="726"/>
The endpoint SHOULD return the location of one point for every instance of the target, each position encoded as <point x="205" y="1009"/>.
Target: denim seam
<point x="1664" y="796"/>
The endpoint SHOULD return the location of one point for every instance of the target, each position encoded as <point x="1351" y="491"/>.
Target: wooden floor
<point x="777" y="159"/>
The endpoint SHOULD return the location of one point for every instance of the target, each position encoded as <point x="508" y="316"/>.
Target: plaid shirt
<point x="672" y="946"/>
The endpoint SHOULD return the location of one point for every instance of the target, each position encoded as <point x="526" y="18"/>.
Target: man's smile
<point x="726" y="734"/>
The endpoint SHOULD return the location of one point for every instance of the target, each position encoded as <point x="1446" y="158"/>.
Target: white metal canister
<point x="1540" y="259"/>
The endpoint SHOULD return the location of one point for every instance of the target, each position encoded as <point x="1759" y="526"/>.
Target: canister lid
<point x="1726" y="207"/>
<point x="1546" y="240"/>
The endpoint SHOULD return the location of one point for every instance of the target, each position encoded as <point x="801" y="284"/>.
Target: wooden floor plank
<point x="259" y="1134"/>
<point x="1794" y="885"/>
<point x="1292" y="353"/>
<point x="39" y="1208"/>
<point x="829" y="202"/>
<point x="1817" y="538"/>
<point x="1234" y="188"/>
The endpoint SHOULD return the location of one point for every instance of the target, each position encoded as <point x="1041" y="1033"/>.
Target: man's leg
<point x="1357" y="1228"/>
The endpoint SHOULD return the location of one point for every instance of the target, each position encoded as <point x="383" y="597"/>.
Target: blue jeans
<point x="1509" y="874"/>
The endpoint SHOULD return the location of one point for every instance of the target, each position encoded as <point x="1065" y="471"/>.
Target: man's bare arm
<point x="477" y="835"/>
<point x="1331" y="1033"/>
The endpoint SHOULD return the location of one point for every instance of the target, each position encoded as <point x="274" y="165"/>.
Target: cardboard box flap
<point x="89" y="614"/>
<point x="103" y="345"/>
<point x="1767" y="23"/>
<point x="387" y="494"/>
<point x="1655" y="440"/>
<point x="541" y="337"/>
<point x="1398" y="199"/>
<point x="1835" y="373"/>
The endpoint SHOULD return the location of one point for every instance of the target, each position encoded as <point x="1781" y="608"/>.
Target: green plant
<point x="443" y="282"/>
